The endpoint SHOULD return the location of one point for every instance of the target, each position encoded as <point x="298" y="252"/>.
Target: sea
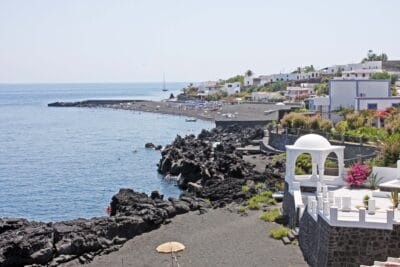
<point x="66" y="163"/>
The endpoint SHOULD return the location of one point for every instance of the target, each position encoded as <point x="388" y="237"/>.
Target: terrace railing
<point x="325" y="209"/>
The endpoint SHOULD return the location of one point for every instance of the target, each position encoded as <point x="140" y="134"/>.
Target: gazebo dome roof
<point x="312" y="141"/>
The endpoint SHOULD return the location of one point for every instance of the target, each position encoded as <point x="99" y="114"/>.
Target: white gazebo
<point x="319" y="148"/>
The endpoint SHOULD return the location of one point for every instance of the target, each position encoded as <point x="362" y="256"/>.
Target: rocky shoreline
<point x="211" y="173"/>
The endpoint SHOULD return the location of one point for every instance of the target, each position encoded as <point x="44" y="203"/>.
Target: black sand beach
<point x="220" y="237"/>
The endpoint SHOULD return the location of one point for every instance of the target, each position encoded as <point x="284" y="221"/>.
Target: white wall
<point x="232" y="88"/>
<point x="343" y="92"/>
<point x="248" y="80"/>
<point x="289" y="77"/>
<point x="382" y="103"/>
<point x="375" y="88"/>
<point x="360" y="75"/>
<point x="377" y="65"/>
<point x="262" y="96"/>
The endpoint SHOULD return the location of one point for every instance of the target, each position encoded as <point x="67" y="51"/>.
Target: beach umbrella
<point x="170" y="247"/>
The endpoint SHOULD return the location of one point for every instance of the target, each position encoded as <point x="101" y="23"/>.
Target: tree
<point x="298" y="70"/>
<point x="309" y="68"/>
<point x="384" y="76"/>
<point x="339" y="72"/>
<point x="278" y="86"/>
<point x="237" y="78"/>
<point x="371" y="56"/>
<point x="249" y="73"/>
<point x="321" y="89"/>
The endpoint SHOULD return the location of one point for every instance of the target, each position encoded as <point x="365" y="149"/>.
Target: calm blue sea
<point x="65" y="163"/>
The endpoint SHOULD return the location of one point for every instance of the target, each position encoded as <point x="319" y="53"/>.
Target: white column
<point x="340" y="156"/>
<point x="288" y="165"/>
<point x="321" y="167"/>
<point x="314" y="166"/>
<point x="361" y="215"/>
<point x="326" y="208"/>
<point x="333" y="214"/>
<point x="398" y="169"/>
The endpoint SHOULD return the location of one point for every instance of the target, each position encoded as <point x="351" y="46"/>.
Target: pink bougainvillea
<point x="357" y="174"/>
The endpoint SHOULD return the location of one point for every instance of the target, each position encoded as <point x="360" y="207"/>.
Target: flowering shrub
<point x="357" y="174"/>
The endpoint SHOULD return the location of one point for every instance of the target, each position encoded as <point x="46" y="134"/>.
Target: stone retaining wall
<point x="288" y="208"/>
<point x="324" y="245"/>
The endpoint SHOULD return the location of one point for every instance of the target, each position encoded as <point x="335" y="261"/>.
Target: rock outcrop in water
<point x="26" y="243"/>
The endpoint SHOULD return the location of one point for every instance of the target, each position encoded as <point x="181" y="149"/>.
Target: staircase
<point x="390" y="262"/>
<point x="292" y="236"/>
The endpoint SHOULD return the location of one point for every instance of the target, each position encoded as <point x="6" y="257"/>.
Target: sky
<point x="189" y="40"/>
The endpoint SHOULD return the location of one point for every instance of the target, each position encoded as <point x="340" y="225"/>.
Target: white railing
<point x="327" y="209"/>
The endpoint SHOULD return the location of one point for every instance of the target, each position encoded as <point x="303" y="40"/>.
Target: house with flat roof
<point x="317" y="103"/>
<point x="361" y="74"/>
<point x="297" y="93"/>
<point x="343" y="93"/>
<point x="232" y="88"/>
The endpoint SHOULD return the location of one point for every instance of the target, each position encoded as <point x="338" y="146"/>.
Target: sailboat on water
<point x="164" y="87"/>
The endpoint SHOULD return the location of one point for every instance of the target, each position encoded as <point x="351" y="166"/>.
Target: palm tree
<point x="249" y="73"/>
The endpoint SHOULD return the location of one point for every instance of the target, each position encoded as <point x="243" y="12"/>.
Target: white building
<point x="342" y="93"/>
<point x="318" y="103"/>
<point x="369" y="65"/>
<point x="265" y="96"/>
<point x="249" y="80"/>
<point x="208" y="88"/>
<point x="304" y="76"/>
<point x="232" y="88"/>
<point x="363" y="74"/>
<point x="298" y="93"/>
<point x="376" y="103"/>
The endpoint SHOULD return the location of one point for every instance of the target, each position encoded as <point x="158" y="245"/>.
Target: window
<point x="363" y="75"/>
<point x="395" y="105"/>
<point x="372" y="106"/>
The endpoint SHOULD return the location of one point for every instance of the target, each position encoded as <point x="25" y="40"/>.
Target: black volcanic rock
<point x="212" y="162"/>
<point x="26" y="243"/>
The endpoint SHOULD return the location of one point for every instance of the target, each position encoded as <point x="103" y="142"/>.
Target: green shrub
<point x="259" y="185"/>
<point x="279" y="232"/>
<point x="341" y="127"/>
<point x="270" y="216"/>
<point x="303" y="162"/>
<point x="314" y="123"/>
<point x="391" y="149"/>
<point x="355" y="121"/>
<point x="299" y="171"/>
<point x="325" y="125"/>
<point x="280" y="185"/>
<point x="242" y="209"/>
<point x="245" y="188"/>
<point x="331" y="164"/>
<point x="253" y="205"/>
<point x="263" y="197"/>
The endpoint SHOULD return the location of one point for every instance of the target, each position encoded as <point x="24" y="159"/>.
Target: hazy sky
<point x="189" y="40"/>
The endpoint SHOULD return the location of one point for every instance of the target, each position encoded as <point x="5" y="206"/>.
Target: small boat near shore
<point x="190" y="120"/>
